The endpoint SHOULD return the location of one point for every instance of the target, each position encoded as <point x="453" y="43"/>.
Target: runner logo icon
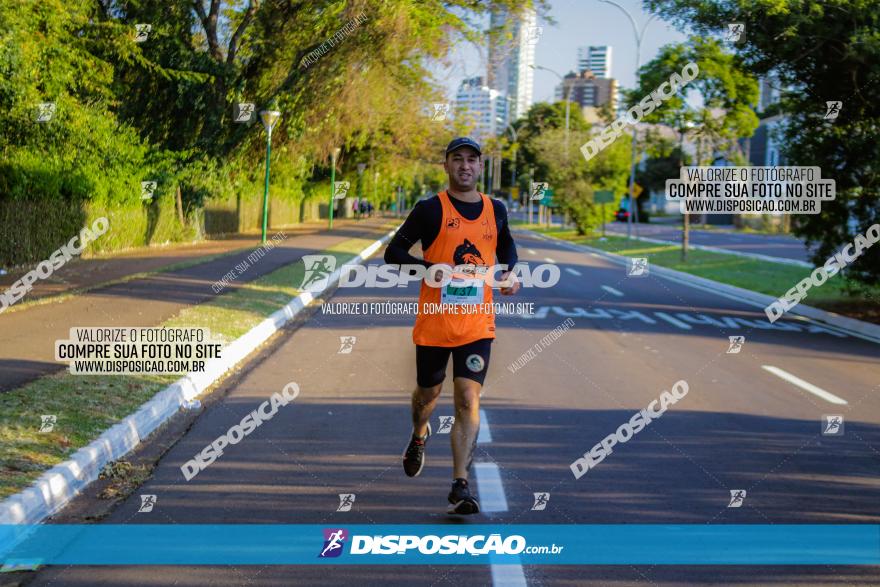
<point x="346" y="344"/>
<point x="737" y="497"/>
<point x="318" y="270"/>
<point x="736" y="343"/>
<point x="446" y="423"/>
<point x="346" y="500"/>
<point x="147" y="503"/>
<point x="832" y="425"/>
<point x="833" y="107"/>
<point x="47" y="422"/>
<point x="334" y="542"/>
<point x="736" y="32"/>
<point x="541" y="500"/>
<point x="637" y="267"/>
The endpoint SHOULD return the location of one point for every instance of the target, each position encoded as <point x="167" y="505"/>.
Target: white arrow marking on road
<point x="805" y="385"/>
<point x="572" y="271"/>
<point x="673" y="321"/>
<point x="549" y="260"/>
<point x="612" y="291"/>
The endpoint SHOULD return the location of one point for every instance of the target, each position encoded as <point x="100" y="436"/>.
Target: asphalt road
<point x="783" y="246"/>
<point x="741" y="426"/>
<point x="27" y="336"/>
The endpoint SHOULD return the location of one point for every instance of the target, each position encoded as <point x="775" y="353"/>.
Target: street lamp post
<point x="632" y="164"/>
<point x="334" y="155"/>
<point x="269" y="119"/>
<point x="513" y="167"/>
<point x="361" y="168"/>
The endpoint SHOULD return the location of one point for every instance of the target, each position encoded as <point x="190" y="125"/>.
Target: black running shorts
<point x="469" y="360"/>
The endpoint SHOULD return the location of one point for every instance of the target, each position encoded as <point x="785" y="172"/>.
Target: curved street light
<point x="632" y="164"/>
<point x="566" y="90"/>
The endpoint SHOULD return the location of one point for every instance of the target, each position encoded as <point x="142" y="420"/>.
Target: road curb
<point x="57" y="486"/>
<point x="757" y="256"/>
<point x="853" y="327"/>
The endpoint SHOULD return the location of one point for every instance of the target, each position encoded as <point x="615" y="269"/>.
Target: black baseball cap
<point x="460" y="142"/>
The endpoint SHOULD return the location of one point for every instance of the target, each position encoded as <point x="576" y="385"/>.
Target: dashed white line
<point x="805" y="385"/>
<point x="531" y="251"/>
<point x="612" y="291"/>
<point x="485" y="435"/>
<point x="508" y="575"/>
<point x="549" y="260"/>
<point x="572" y="271"/>
<point x="672" y="320"/>
<point x="493" y="499"/>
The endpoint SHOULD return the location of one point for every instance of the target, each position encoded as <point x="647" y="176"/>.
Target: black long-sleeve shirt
<point x="423" y="224"/>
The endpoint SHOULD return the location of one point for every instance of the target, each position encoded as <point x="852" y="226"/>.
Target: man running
<point x="457" y="227"/>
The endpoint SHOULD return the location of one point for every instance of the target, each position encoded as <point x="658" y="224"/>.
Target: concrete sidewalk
<point x="27" y="335"/>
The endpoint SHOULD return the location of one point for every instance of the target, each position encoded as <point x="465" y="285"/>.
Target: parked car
<point x="623" y="213"/>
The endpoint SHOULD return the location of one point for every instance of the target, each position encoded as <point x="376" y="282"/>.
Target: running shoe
<point x="461" y="499"/>
<point x="414" y="455"/>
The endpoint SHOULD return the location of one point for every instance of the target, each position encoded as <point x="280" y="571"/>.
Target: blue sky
<point x="578" y="22"/>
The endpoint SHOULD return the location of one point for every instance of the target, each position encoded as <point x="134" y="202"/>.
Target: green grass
<point x="87" y="405"/>
<point x="761" y="276"/>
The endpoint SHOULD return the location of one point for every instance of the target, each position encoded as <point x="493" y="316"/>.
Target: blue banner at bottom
<point x="527" y="544"/>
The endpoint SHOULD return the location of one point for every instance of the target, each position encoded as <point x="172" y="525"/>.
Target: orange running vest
<point x="459" y="242"/>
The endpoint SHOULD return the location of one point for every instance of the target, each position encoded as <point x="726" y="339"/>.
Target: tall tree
<point x="820" y="51"/>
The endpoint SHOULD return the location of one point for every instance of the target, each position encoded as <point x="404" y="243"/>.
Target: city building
<point x="511" y="55"/>
<point x="596" y="58"/>
<point x="481" y="107"/>
<point x="587" y="89"/>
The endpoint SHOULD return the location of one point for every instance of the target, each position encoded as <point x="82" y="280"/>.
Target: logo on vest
<point x="467" y="253"/>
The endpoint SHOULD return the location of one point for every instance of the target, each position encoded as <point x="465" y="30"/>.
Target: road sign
<point x="636" y="190"/>
<point x="514" y="194"/>
<point x="547" y="200"/>
<point x="603" y="197"/>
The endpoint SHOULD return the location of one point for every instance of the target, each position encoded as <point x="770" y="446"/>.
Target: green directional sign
<point x="547" y="200"/>
<point x="603" y="197"/>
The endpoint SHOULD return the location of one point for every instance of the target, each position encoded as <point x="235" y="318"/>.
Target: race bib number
<point x="462" y="291"/>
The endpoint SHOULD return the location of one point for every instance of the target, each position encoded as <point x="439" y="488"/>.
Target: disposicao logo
<point x="334" y="542"/>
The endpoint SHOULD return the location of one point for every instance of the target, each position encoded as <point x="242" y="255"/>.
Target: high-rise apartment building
<point x="481" y="107"/>
<point x="511" y="53"/>
<point x="596" y="58"/>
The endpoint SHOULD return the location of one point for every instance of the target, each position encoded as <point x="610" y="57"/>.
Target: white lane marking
<point x="485" y="435"/>
<point x="596" y="255"/>
<point x="672" y="320"/>
<point x="508" y="575"/>
<point x="612" y="291"/>
<point x="572" y="271"/>
<point x="549" y="260"/>
<point x="805" y="385"/>
<point x="492" y="498"/>
<point x="531" y="251"/>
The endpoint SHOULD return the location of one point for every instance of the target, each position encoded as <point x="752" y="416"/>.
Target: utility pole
<point x="633" y="209"/>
